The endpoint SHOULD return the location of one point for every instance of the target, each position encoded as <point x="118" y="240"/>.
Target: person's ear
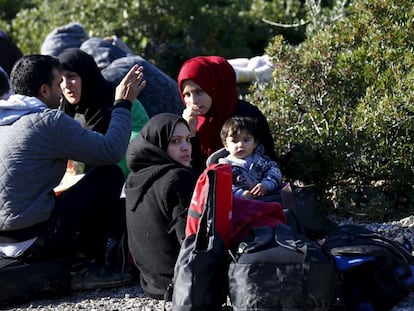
<point x="43" y="93"/>
<point x="225" y="145"/>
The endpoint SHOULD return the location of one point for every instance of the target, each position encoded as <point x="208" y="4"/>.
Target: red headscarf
<point x="217" y="78"/>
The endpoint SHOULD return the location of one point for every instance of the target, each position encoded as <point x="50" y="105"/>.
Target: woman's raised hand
<point x="191" y="117"/>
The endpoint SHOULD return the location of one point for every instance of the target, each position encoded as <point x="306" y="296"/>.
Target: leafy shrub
<point x="346" y="95"/>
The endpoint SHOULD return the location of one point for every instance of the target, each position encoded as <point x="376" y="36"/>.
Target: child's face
<point x="241" y="145"/>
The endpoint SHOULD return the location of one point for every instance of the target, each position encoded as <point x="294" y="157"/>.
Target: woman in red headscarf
<point x="208" y="88"/>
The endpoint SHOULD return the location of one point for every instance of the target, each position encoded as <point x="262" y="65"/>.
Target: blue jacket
<point x="257" y="168"/>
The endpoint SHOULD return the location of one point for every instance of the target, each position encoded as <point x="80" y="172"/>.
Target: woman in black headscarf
<point x="88" y="96"/>
<point x="158" y="190"/>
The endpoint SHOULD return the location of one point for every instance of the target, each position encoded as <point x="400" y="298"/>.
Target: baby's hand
<point x="247" y="195"/>
<point x="259" y="190"/>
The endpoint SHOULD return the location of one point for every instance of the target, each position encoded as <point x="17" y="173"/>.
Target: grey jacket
<point x="36" y="143"/>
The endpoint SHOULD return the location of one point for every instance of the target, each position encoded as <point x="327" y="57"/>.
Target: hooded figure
<point x="10" y="53"/>
<point x="217" y="78"/>
<point x="64" y="37"/>
<point x="5" y="85"/>
<point x="158" y="192"/>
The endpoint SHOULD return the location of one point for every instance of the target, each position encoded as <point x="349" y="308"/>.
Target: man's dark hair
<point x="236" y="125"/>
<point x="4" y="83"/>
<point x="32" y="71"/>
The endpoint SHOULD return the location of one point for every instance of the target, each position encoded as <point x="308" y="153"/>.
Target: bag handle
<point x="206" y="232"/>
<point x="285" y="236"/>
<point x="263" y="235"/>
<point x="288" y="200"/>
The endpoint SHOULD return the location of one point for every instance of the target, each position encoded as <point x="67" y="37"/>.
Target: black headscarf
<point x="147" y="156"/>
<point x="150" y="146"/>
<point x="97" y="95"/>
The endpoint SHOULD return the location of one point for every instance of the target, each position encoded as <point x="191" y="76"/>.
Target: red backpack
<point x="200" y="273"/>
<point x="199" y="281"/>
<point x="223" y="201"/>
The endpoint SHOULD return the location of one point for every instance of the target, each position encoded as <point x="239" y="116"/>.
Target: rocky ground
<point x="132" y="297"/>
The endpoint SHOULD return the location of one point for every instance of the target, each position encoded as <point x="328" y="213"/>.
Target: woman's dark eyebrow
<point x="180" y="136"/>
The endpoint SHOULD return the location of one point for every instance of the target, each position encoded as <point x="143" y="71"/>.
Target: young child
<point x="254" y="174"/>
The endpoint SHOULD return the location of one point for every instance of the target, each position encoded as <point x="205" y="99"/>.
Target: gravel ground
<point x="122" y="298"/>
<point x="132" y="297"/>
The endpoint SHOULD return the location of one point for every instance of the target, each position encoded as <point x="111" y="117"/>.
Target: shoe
<point x="110" y="252"/>
<point x="116" y="254"/>
<point x="94" y="276"/>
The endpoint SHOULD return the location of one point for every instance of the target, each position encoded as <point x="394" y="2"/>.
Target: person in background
<point x="158" y="193"/>
<point x="209" y="91"/>
<point x="36" y="142"/>
<point x="254" y="174"/>
<point x="114" y="58"/>
<point x="88" y="97"/>
<point x="5" y="87"/>
<point x="10" y="53"/>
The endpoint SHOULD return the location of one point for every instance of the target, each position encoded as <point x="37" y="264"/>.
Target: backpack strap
<point x="286" y="237"/>
<point x="173" y="223"/>
<point x="288" y="200"/>
<point x="8" y="262"/>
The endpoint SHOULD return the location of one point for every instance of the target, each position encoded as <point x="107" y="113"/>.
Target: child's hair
<point x="236" y="125"/>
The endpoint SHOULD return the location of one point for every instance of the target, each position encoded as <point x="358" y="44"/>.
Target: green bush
<point x="345" y="95"/>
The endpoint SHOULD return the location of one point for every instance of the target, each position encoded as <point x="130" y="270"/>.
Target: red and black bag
<point x="200" y="273"/>
<point x="221" y="188"/>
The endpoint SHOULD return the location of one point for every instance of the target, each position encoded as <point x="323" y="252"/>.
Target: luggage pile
<point x="280" y="265"/>
<point x="247" y="255"/>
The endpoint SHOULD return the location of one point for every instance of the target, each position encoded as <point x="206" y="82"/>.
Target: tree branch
<point x="285" y="25"/>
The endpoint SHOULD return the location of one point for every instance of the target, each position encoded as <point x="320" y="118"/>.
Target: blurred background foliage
<point x="340" y="103"/>
<point x="341" y="109"/>
<point x="166" y="32"/>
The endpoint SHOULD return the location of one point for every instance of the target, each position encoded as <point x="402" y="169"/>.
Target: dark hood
<point x="97" y="95"/>
<point x="147" y="155"/>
